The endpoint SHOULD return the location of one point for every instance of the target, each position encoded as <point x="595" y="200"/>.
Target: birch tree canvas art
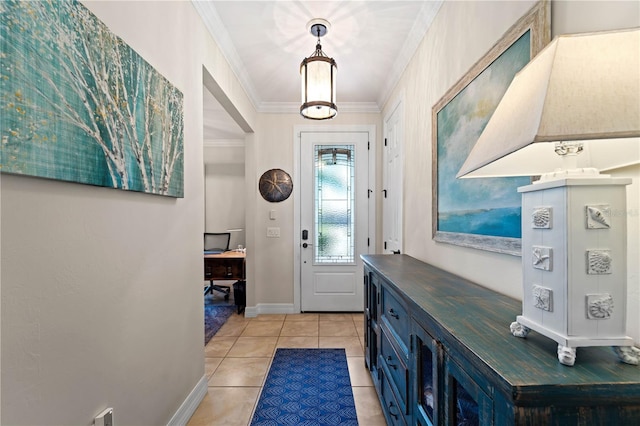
<point x="78" y="104"/>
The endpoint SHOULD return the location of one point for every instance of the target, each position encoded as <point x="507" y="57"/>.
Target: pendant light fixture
<point x="318" y="74"/>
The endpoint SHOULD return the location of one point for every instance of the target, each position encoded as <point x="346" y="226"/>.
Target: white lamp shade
<point x="582" y="87"/>
<point x="318" y="78"/>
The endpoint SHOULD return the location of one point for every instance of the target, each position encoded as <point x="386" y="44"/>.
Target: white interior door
<point x="392" y="183"/>
<point x="333" y="220"/>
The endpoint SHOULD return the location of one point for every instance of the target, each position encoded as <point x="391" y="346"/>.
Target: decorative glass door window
<point x="334" y="204"/>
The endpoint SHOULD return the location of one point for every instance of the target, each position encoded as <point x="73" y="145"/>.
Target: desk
<point x="229" y="265"/>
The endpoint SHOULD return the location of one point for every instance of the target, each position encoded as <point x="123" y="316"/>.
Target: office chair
<point x="215" y="243"/>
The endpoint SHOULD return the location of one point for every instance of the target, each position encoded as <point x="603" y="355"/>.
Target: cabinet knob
<point x="390" y="364"/>
<point x="393" y="313"/>
<point x="392" y="414"/>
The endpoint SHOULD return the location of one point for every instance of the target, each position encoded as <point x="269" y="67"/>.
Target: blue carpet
<point x="214" y="317"/>
<point x="307" y="387"/>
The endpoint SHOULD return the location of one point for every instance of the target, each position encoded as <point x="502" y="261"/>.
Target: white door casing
<point x="392" y="182"/>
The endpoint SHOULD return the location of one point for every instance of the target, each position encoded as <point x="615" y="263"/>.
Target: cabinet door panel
<point x="371" y="284"/>
<point x="427" y="382"/>
<point x="466" y="404"/>
<point x="372" y="297"/>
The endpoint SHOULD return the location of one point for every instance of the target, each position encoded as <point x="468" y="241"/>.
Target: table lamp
<point x="581" y="92"/>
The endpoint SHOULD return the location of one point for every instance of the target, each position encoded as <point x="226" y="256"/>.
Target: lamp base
<point x="586" y="172"/>
<point x="574" y="257"/>
<point x="567" y="345"/>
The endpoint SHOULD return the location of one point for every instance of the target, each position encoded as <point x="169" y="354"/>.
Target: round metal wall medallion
<point x="275" y="185"/>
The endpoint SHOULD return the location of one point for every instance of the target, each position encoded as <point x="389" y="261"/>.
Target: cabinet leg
<point x="627" y="354"/>
<point x="566" y="355"/>
<point x="519" y="330"/>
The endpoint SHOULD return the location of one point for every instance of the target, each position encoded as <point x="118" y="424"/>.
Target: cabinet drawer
<point x="390" y="403"/>
<point x="396" y="369"/>
<point x="221" y="270"/>
<point x="395" y="314"/>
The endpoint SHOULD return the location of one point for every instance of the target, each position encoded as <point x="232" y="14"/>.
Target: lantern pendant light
<point x="318" y="75"/>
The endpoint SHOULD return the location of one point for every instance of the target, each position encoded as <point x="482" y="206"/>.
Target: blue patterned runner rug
<point x="214" y="317"/>
<point x="309" y="387"/>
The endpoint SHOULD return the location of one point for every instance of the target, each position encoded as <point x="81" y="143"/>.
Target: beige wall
<point x="445" y="54"/>
<point x="225" y="191"/>
<point x="101" y="298"/>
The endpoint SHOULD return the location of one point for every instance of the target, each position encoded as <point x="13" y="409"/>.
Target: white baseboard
<point x="189" y="405"/>
<point x="269" y="308"/>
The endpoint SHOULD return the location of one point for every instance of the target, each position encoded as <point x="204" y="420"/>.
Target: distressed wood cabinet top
<point x="473" y="323"/>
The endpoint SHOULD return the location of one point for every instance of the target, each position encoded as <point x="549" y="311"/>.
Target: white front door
<point x="333" y="219"/>
<point x="392" y="183"/>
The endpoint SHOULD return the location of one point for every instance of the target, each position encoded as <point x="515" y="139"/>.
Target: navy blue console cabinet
<point x="440" y="352"/>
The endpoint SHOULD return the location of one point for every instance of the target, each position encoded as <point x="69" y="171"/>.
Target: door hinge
<point x="385" y="141"/>
<point x="385" y="193"/>
<point x="385" y="245"/>
<point x="368" y="243"/>
<point x="368" y="145"/>
<point x="369" y="191"/>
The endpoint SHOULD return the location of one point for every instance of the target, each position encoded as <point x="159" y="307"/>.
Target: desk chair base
<point x="221" y="288"/>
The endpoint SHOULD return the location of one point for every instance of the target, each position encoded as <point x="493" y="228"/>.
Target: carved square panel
<point x="543" y="298"/>
<point x="599" y="306"/>
<point x="541" y="218"/>
<point x="599" y="262"/>
<point x="542" y="257"/>
<point x="598" y="216"/>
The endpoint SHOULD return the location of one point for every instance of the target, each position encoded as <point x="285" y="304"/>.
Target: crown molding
<point x="218" y="31"/>
<point x="422" y="23"/>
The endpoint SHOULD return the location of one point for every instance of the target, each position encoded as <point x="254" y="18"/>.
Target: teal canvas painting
<point x="481" y="213"/>
<point x="78" y="104"/>
<point x="489" y="206"/>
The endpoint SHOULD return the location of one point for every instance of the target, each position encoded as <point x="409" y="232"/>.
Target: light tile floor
<point x="238" y="357"/>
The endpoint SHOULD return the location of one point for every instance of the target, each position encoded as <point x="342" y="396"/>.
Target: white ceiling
<point x="264" y="42"/>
